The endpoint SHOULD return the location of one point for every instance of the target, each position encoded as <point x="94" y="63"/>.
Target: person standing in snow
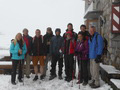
<point x="47" y="38"/>
<point x="39" y="54"/>
<point x="56" y="48"/>
<point x="95" y="52"/>
<point x="86" y="37"/>
<point x="28" y="58"/>
<point x="81" y="51"/>
<point x="18" y="50"/>
<point x="74" y="36"/>
<point x="69" y="51"/>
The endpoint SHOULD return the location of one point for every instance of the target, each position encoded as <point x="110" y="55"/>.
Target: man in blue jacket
<point x="56" y="49"/>
<point x="95" y="52"/>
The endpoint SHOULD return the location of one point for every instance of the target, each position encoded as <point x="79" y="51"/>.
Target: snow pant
<point x="94" y="69"/>
<point x="56" y="58"/>
<point x="69" y="63"/>
<point x="83" y="70"/>
<point x="48" y="58"/>
<point x="15" y="64"/>
<point x="27" y="60"/>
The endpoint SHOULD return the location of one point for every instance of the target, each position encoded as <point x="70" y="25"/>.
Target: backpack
<point x="105" y="42"/>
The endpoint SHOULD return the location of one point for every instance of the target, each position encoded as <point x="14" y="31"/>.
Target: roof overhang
<point x="93" y="14"/>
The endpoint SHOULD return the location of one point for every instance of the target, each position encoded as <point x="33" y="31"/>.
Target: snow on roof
<point x="116" y="82"/>
<point x="110" y="69"/>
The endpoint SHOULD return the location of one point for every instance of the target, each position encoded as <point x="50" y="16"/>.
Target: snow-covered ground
<point x="55" y="84"/>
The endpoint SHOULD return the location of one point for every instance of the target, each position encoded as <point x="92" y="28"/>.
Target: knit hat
<point x="70" y="33"/>
<point x="58" y="30"/>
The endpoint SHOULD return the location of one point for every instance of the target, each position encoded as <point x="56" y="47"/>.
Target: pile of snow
<point x="110" y="69"/>
<point x="116" y="82"/>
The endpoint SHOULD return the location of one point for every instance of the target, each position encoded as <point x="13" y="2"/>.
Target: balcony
<point x="92" y="12"/>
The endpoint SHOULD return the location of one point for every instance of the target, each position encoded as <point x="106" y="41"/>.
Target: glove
<point x="76" y="52"/>
<point x="98" y="59"/>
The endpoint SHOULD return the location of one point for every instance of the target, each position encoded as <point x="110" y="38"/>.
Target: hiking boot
<point x="69" y="79"/>
<point x="35" y="78"/>
<point x="95" y="86"/>
<point x="52" y="77"/>
<point x="60" y="77"/>
<point x="20" y="80"/>
<point x="92" y="83"/>
<point x="85" y="83"/>
<point x="13" y="83"/>
<point x="42" y="77"/>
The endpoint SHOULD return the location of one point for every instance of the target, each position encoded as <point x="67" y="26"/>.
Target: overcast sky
<point x="32" y="14"/>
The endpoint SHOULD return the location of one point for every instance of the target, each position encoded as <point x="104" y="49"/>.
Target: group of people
<point x="84" y="48"/>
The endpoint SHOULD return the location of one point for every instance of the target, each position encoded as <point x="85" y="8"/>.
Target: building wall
<point x="113" y="55"/>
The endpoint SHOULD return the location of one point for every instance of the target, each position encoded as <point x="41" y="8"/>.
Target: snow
<point x="110" y="69"/>
<point x="116" y="82"/>
<point x="56" y="84"/>
<point x="9" y="63"/>
<point x="4" y="52"/>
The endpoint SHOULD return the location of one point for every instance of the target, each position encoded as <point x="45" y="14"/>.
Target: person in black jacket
<point x="47" y="39"/>
<point x="39" y="54"/>
<point x="56" y="48"/>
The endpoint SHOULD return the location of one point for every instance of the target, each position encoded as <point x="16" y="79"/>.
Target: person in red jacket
<point x="28" y="56"/>
<point x="69" y="50"/>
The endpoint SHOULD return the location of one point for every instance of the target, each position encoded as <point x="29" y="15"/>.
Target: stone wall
<point x="113" y="55"/>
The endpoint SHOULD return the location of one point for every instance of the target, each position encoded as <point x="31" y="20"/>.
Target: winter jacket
<point x="83" y="48"/>
<point x="14" y="48"/>
<point x="95" y="45"/>
<point x="57" y="44"/>
<point x="74" y="35"/>
<point x="47" y="38"/>
<point x="28" y="41"/>
<point x="38" y="47"/>
<point x="69" y="46"/>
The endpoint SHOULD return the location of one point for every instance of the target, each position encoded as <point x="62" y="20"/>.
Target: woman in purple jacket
<point x="82" y="50"/>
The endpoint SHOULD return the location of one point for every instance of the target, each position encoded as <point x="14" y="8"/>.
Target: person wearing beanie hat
<point x="74" y="36"/>
<point x="69" y="47"/>
<point x="56" y="48"/>
<point x="58" y="30"/>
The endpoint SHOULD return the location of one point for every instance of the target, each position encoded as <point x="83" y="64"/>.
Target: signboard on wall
<point x="116" y="18"/>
